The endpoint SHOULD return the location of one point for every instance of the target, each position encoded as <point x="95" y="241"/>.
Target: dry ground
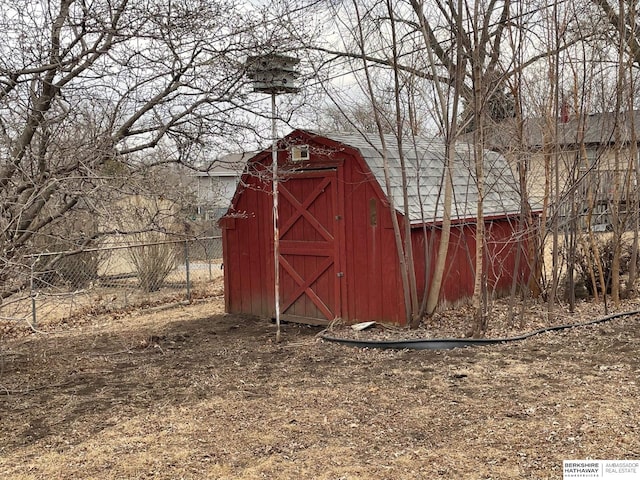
<point x="192" y="393"/>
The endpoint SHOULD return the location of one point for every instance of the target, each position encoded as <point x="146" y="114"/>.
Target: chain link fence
<point x="67" y="285"/>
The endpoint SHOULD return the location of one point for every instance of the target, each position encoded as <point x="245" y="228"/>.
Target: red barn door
<point x="310" y="238"/>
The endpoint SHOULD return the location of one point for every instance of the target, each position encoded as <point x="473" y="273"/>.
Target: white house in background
<point x="214" y="189"/>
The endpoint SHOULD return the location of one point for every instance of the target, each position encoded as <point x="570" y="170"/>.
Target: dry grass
<point x="192" y="393"/>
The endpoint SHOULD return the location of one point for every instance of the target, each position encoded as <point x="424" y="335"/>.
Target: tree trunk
<point x="479" y="300"/>
<point x="445" y="234"/>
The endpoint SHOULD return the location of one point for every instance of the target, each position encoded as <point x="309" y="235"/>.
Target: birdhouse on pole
<point x="273" y="73"/>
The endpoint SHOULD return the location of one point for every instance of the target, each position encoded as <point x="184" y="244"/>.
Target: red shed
<point x="338" y="255"/>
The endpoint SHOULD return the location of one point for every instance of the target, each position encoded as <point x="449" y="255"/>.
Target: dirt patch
<point x="192" y="393"/>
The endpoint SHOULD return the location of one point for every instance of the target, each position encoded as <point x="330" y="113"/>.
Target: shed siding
<point x="500" y="258"/>
<point x="503" y="256"/>
<point x="247" y="246"/>
<point x="458" y="274"/>
<point x="372" y="271"/>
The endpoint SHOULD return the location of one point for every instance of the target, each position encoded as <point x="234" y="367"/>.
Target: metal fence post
<point x="32" y="294"/>
<point x="186" y="266"/>
<point x="207" y="253"/>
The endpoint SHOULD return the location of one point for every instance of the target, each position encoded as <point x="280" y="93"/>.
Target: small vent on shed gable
<point x="300" y="153"/>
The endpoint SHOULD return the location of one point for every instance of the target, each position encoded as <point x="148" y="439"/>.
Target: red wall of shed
<point x="248" y="251"/>
<point x="500" y="258"/>
<point x="374" y="289"/>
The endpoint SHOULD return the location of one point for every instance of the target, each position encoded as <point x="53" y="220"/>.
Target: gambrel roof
<point x="424" y="165"/>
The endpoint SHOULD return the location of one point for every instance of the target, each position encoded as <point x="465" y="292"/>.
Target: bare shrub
<point x="153" y="262"/>
<point x="585" y="257"/>
<point x="56" y="265"/>
<point x="76" y="270"/>
<point x="80" y="269"/>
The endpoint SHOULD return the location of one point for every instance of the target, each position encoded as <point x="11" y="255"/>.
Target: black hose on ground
<point x="449" y="343"/>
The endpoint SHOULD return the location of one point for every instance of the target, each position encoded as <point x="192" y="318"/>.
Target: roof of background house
<point x="601" y="127"/>
<point x="593" y="129"/>
<point x="424" y="164"/>
<point x="229" y="165"/>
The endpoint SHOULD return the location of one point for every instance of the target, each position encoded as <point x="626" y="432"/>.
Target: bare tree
<point x="451" y="57"/>
<point x="87" y="86"/>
